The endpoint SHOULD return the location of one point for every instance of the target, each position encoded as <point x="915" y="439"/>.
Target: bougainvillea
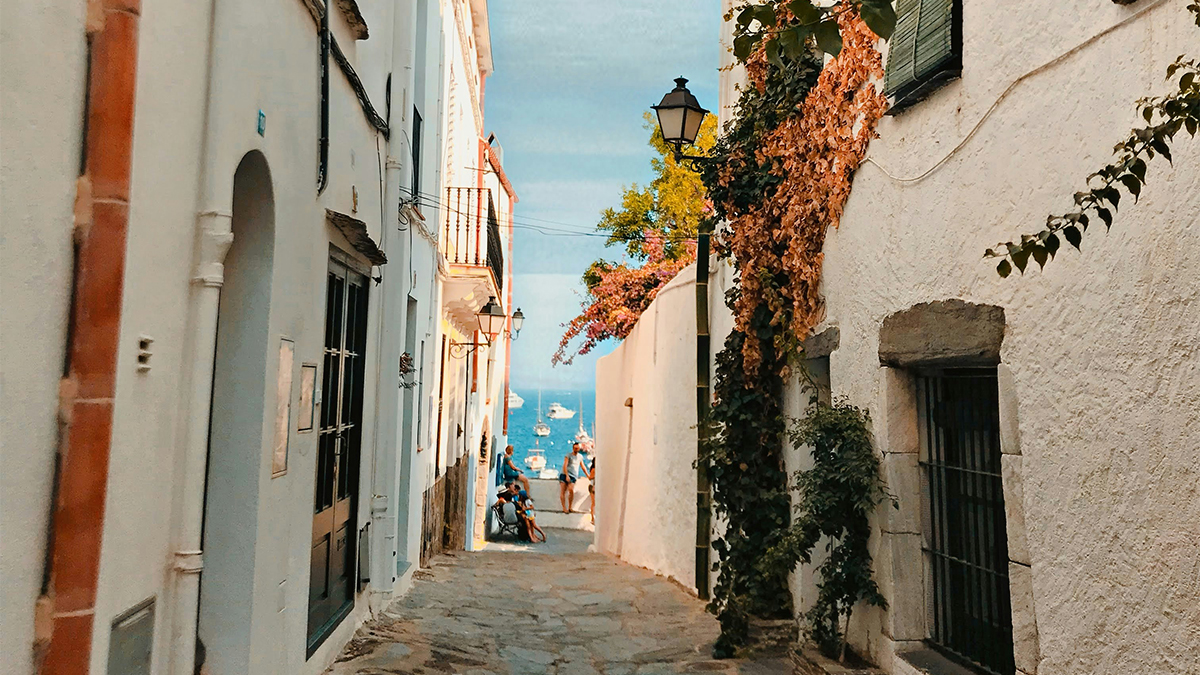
<point x="620" y="294"/>
<point x="776" y="243"/>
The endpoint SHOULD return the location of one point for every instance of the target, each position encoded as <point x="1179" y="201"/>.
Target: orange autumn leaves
<point x="777" y="243"/>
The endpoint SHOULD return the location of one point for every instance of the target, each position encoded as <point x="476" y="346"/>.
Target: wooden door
<point x="332" y="568"/>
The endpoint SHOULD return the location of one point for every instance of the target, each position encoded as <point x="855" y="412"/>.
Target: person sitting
<point x="509" y="513"/>
<point x="507" y="494"/>
<point x="509" y="470"/>
<point x="526" y="511"/>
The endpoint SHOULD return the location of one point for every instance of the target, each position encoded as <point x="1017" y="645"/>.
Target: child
<point x="527" y="513"/>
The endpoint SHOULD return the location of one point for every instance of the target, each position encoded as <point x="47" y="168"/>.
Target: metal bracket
<point x="189" y="562"/>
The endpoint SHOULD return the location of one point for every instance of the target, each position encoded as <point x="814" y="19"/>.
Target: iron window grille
<point x="966" y="540"/>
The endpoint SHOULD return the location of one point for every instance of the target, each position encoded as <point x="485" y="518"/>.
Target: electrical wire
<point x="1003" y="95"/>
<point x="426" y="199"/>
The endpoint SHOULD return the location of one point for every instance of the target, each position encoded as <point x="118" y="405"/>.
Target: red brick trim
<point x="98" y="280"/>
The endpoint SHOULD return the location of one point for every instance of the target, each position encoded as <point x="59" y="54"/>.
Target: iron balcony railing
<point x="471" y="231"/>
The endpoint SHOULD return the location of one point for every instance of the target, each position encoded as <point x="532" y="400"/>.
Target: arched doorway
<point x="235" y="437"/>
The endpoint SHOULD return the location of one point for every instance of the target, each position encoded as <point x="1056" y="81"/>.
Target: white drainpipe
<point x="393" y="307"/>
<point x="214" y="236"/>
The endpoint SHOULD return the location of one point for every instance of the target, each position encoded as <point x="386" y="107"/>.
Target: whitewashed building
<point x="1064" y="538"/>
<point x="224" y="293"/>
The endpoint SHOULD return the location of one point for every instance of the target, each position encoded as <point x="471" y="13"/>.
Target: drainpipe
<point x="213" y="237"/>
<point x="102" y="223"/>
<point x="703" y="403"/>
<point x="385" y="483"/>
<point x="323" y="141"/>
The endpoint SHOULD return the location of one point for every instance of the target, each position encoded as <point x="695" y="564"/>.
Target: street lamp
<point x="491" y="318"/>
<point x="680" y="117"/>
<point x="518" y="318"/>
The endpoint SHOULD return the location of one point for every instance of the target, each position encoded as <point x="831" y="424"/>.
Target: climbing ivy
<point x="781" y="176"/>
<point x="1165" y="116"/>
<point x="837" y="496"/>
<point x="790" y="27"/>
<point x="749" y="485"/>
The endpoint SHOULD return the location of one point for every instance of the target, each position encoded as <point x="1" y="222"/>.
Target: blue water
<point x="562" y="432"/>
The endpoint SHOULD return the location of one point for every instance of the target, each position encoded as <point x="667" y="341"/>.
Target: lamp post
<point x="679" y="119"/>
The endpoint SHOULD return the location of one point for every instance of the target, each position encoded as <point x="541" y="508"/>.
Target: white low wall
<point x="646" y="485"/>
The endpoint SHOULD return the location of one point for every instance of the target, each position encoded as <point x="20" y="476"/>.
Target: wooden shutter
<point x="926" y="49"/>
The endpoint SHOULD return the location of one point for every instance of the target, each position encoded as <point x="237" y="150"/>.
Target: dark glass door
<point x="331" y="581"/>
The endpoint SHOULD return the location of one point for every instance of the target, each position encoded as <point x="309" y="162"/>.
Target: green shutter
<point x="925" y="50"/>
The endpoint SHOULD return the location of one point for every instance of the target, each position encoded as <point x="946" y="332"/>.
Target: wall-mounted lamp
<point x="491" y="319"/>
<point x="679" y="119"/>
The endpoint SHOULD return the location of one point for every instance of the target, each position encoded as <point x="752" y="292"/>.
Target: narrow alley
<point x="515" y="609"/>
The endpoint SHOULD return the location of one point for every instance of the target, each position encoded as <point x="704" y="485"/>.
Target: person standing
<point x="566" y="479"/>
<point x="591" y="474"/>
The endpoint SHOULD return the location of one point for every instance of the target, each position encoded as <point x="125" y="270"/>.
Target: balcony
<point x="473" y="252"/>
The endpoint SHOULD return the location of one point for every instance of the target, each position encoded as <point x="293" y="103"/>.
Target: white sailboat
<point x="514" y="400"/>
<point x="582" y="436"/>
<point x="535" y="458"/>
<point x="558" y="411"/>
<point x="541" y="428"/>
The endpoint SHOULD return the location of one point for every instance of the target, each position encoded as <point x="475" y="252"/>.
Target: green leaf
<point x="880" y="17"/>
<point x="1163" y="149"/>
<point x="772" y="50"/>
<point x="746" y="16"/>
<point x="1112" y="195"/>
<point x="829" y="37"/>
<point x="1138" y="168"/>
<point x="1040" y="254"/>
<point x="1052" y="244"/>
<point x="1073" y="236"/>
<point x="1021" y="259"/>
<point x="806" y="11"/>
<point x="743" y="45"/>
<point x="765" y="14"/>
<point x="1004" y="269"/>
<point x="1132" y="184"/>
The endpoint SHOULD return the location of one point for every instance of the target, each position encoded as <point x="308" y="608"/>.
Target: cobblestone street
<point x="554" y="609"/>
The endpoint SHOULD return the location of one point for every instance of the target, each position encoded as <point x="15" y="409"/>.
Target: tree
<point x="671" y="206"/>
<point x="657" y="224"/>
<point x="618" y="296"/>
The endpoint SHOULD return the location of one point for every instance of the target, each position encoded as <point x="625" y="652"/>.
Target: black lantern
<point x="679" y="115"/>
<point x="518" y="318"/>
<point x="491" y="318"/>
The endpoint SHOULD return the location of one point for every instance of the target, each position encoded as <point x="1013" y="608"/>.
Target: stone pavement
<point x="551" y="609"/>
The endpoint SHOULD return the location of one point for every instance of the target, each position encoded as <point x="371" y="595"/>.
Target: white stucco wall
<point x="1103" y="346"/>
<point x="41" y="103"/>
<point x="646" y="486"/>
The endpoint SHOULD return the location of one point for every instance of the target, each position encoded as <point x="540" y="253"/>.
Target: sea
<point x="562" y="432"/>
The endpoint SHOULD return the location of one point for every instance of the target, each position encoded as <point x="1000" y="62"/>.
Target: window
<point x="926" y="49"/>
<point x="416" y="153"/>
<point x="966" y="544"/>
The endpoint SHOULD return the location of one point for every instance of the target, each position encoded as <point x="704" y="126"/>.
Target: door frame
<point x="348" y="266"/>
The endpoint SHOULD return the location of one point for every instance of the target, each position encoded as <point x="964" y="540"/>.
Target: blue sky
<point x="566" y="101"/>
